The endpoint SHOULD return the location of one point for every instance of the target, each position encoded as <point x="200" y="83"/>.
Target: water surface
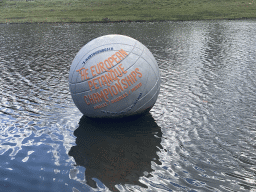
<point x="199" y="136"/>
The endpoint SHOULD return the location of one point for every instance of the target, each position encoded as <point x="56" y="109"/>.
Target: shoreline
<point x="130" y="21"/>
<point x="113" y="11"/>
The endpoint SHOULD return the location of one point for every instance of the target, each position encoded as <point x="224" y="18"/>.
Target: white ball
<point x="114" y="76"/>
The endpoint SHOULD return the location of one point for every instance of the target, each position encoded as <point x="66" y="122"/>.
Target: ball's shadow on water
<point x="117" y="151"/>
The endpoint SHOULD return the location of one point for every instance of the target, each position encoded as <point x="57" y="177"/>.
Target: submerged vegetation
<point x="19" y="11"/>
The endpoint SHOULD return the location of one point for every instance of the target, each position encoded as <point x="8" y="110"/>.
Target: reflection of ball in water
<point x="114" y="76"/>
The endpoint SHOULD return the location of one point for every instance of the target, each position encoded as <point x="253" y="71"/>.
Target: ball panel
<point x="147" y="100"/>
<point x="148" y="56"/>
<point x="137" y="49"/>
<point x="150" y="98"/>
<point x="142" y="105"/>
<point x="148" y="103"/>
<point x="111" y="39"/>
<point x="151" y="61"/>
<point x="72" y="88"/>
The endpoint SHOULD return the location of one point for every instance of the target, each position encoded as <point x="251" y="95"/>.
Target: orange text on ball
<point x="113" y="90"/>
<point x="106" y="65"/>
<point x="108" y="78"/>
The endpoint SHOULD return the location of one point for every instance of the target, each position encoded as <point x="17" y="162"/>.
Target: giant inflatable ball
<point x="114" y="76"/>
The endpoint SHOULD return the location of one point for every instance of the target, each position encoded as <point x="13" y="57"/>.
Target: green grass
<point x="123" y="10"/>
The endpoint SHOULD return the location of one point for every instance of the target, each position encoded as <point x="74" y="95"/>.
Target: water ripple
<point x="207" y="113"/>
<point x="199" y="136"/>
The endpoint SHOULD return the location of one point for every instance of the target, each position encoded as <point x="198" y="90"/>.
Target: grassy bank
<point x="125" y="10"/>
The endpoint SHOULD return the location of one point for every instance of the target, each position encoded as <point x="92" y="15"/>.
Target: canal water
<point x="199" y="136"/>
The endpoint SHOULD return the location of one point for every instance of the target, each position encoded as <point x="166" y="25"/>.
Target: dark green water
<point x="199" y="136"/>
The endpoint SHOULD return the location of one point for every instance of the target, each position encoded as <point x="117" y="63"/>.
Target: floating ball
<point x="114" y="76"/>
